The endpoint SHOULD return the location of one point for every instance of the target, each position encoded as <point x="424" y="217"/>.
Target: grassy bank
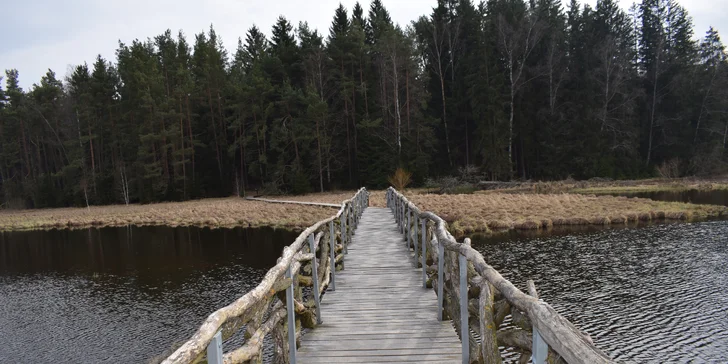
<point x="214" y="213"/>
<point x="610" y="187"/>
<point x="376" y="198"/>
<point x="468" y="213"/>
<point x="506" y="211"/>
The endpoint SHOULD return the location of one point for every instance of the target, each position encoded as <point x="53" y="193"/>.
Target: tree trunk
<point x="364" y="87"/>
<point x="260" y="150"/>
<point x="407" y="100"/>
<point x="182" y="150"/>
<point x="346" y="121"/>
<point x="356" y="137"/>
<point x="396" y="107"/>
<point x="93" y="159"/>
<point x="654" y="106"/>
<point x="26" y="155"/>
<point x="510" y="125"/>
<point x="702" y="104"/>
<point x="320" y="161"/>
<point x="214" y="132"/>
<point x="444" y="117"/>
<point x="241" y="130"/>
<point x="189" y="130"/>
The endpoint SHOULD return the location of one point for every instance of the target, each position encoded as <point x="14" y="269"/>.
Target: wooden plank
<point x="379" y="312"/>
<point x="452" y="358"/>
<point x="378" y="344"/>
<point x="311" y="352"/>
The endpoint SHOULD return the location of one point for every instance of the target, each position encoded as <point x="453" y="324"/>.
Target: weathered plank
<point x="379" y="312"/>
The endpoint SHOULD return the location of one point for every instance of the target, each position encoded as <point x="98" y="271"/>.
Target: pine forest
<point x="515" y="89"/>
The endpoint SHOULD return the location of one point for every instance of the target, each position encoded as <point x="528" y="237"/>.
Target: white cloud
<point x="42" y="34"/>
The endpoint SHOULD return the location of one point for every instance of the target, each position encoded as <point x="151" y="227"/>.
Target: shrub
<point x="400" y="179"/>
<point x="669" y="169"/>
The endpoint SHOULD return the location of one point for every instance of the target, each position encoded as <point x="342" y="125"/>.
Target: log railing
<point x="278" y="302"/>
<point x="478" y="299"/>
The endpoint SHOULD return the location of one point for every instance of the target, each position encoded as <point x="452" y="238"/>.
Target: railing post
<point x="464" y="329"/>
<point x="357" y="210"/>
<point x="540" y="350"/>
<point x="352" y="207"/>
<point x="344" y="233"/>
<point x="414" y="238"/>
<point x="404" y="211"/>
<point x="314" y="275"/>
<point x="440" y="276"/>
<point x="424" y="253"/>
<point x="409" y="227"/>
<point x="214" y="349"/>
<point x="352" y="221"/>
<point x="332" y="239"/>
<point x="291" y="312"/>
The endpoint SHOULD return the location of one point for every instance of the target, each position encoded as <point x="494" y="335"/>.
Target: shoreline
<point x="228" y="212"/>
<point x="487" y="212"/>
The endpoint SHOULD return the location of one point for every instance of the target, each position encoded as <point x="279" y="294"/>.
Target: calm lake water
<point x="712" y="197"/>
<point x="655" y="294"/>
<point x="121" y="295"/>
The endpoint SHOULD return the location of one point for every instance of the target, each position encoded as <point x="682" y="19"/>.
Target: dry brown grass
<point x="609" y="187"/>
<point x="501" y="211"/>
<point x="376" y="198"/>
<point x="221" y="212"/>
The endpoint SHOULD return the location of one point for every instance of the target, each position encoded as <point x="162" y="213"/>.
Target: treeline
<point x="518" y="89"/>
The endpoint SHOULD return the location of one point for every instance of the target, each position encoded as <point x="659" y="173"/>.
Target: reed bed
<point x="506" y="211"/>
<point x="608" y="186"/>
<point x="213" y="213"/>
<point x="376" y="198"/>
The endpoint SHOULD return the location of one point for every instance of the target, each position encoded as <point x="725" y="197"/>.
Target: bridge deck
<point x="379" y="312"/>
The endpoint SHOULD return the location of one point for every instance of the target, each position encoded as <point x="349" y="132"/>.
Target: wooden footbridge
<point x="376" y="285"/>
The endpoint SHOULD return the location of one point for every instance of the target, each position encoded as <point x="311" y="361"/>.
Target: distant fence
<point x="278" y="303"/>
<point x="478" y="299"/>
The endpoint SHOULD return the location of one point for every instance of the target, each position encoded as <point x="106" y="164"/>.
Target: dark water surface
<point x="708" y="197"/>
<point x="655" y="294"/>
<point x="121" y="295"/>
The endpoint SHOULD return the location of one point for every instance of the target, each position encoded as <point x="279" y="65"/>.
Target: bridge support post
<point x="291" y="313"/>
<point x="214" y="349"/>
<point x="540" y="349"/>
<point x="332" y="253"/>
<point x="424" y="253"/>
<point x="464" y="329"/>
<point x="440" y="277"/>
<point x="314" y="275"/>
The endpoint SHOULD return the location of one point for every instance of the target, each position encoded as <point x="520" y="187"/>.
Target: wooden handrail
<point x="265" y="298"/>
<point x="565" y="339"/>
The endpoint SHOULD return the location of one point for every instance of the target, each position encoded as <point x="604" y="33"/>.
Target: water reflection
<point x="654" y="294"/>
<point x="121" y="295"/>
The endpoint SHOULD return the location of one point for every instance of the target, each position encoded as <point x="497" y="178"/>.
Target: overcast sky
<point x="39" y="34"/>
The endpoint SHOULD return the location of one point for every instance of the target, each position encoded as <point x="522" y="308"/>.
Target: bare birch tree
<point x="516" y="41"/>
